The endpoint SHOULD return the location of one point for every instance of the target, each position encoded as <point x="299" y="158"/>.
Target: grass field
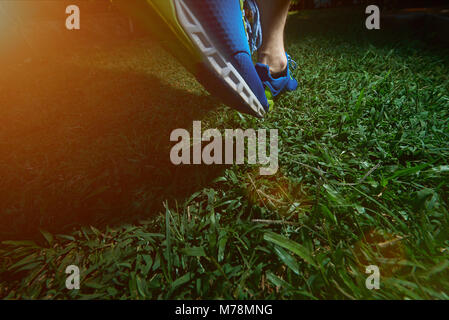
<point x="86" y="178"/>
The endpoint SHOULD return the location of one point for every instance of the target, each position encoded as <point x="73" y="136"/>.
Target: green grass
<point x="363" y="180"/>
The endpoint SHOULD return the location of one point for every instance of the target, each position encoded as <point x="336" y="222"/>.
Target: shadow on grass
<point x="82" y="146"/>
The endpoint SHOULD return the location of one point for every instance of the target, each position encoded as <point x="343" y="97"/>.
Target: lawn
<point x="86" y="177"/>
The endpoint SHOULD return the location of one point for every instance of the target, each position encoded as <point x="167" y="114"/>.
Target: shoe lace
<point x="292" y="63"/>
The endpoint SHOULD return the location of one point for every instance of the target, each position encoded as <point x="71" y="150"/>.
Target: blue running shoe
<point x="209" y="39"/>
<point x="275" y="86"/>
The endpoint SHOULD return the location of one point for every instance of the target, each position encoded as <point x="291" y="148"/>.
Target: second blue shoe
<point x="276" y="85"/>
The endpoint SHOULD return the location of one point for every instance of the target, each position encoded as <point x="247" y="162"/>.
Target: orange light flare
<point x="6" y="13"/>
<point x="27" y="28"/>
<point x="378" y="247"/>
<point x="278" y="194"/>
<point x="13" y="17"/>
